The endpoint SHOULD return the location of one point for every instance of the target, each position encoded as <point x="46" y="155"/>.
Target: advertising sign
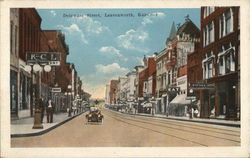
<point x="43" y="58"/>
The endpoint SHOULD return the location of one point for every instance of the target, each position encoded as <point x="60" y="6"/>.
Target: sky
<point x="104" y="47"/>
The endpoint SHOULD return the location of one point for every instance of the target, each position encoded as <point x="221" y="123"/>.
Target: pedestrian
<point x="50" y="111"/>
<point x="42" y="107"/>
<point x="196" y="112"/>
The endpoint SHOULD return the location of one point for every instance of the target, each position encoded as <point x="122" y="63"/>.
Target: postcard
<point x="116" y="79"/>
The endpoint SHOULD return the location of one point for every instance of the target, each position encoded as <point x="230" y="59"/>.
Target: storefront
<point x="14" y="93"/>
<point x="221" y="102"/>
<point x="179" y="106"/>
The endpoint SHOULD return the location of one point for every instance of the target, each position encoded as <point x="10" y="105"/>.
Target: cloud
<point x="94" y="83"/>
<point x="111" y="69"/>
<point x="88" y="25"/>
<point x="133" y="39"/>
<point x="110" y="49"/>
<point x="113" y="54"/>
<point x="53" y="12"/>
<point x="149" y="19"/>
<point x="74" y="30"/>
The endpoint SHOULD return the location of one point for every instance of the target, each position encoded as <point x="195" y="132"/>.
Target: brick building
<point x="29" y="41"/>
<point x="220" y="39"/>
<point x="113" y="91"/>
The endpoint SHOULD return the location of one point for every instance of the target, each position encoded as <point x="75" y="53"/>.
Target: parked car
<point x="94" y="115"/>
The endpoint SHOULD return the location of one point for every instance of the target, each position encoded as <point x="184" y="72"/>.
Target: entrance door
<point x="222" y="101"/>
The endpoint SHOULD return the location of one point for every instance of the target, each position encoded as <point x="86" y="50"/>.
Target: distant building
<point x="121" y="90"/>
<point x="107" y="92"/>
<point x="113" y="91"/>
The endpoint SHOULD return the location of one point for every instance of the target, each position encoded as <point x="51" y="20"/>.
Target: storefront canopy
<point x="146" y="104"/>
<point x="180" y="100"/>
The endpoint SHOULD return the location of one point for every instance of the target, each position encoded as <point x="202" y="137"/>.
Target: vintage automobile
<point x="94" y="115"/>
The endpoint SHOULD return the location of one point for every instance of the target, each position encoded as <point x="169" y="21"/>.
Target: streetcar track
<point x="156" y="131"/>
<point x="179" y="122"/>
<point x="182" y="130"/>
<point x="186" y="126"/>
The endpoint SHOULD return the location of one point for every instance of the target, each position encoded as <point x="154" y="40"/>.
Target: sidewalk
<point x="213" y="121"/>
<point x="23" y="127"/>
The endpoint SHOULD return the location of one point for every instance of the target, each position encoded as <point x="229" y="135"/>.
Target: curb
<point x="46" y="130"/>
<point x="195" y="121"/>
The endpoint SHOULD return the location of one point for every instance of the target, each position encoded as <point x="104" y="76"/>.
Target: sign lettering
<point x="43" y="58"/>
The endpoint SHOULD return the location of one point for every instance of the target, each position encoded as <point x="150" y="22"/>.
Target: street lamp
<point x="37" y="68"/>
<point x="191" y="113"/>
<point x="69" y="101"/>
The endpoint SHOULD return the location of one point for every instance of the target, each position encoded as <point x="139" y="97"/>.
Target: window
<point x="208" y="34"/>
<point x="227" y="63"/>
<point x="210" y="29"/>
<point x="222" y="26"/>
<point x="221" y="66"/>
<point x="210" y="69"/>
<point x="11" y="37"/>
<point x="226" y="23"/>
<point x="226" y="59"/>
<point x="208" y="65"/>
<point x="208" y="11"/>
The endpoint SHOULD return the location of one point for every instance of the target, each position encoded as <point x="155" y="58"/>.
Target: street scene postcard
<point x="132" y="77"/>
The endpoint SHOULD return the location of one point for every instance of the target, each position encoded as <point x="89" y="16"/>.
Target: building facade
<point x="220" y="38"/>
<point x="113" y="91"/>
<point x="14" y="62"/>
<point x="29" y="41"/>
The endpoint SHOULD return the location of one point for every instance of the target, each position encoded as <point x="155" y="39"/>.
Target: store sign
<point x="43" y="58"/>
<point x="56" y="90"/>
<point x="201" y="86"/>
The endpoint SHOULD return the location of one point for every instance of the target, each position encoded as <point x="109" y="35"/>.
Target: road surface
<point x="122" y="130"/>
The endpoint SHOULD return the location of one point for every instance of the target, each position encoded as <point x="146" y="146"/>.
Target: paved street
<point x="121" y="130"/>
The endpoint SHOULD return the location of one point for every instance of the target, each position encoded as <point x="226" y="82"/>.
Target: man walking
<point x="49" y="111"/>
<point x="42" y="107"/>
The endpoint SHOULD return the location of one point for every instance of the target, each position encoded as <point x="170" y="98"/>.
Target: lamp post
<point x="37" y="69"/>
<point x="153" y="101"/>
<point x="69" y="101"/>
<point x="191" y="113"/>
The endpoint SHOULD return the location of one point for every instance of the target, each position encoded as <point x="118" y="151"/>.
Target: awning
<point x="181" y="99"/>
<point x="147" y="105"/>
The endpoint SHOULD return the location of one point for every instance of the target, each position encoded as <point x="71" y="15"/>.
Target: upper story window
<point x="11" y="37"/>
<point x="208" y="65"/>
<point x="208" y="34"/>
<point x="226" y="23"/>
<point x="226" y="59"/>
<point x="208" y="11"/>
